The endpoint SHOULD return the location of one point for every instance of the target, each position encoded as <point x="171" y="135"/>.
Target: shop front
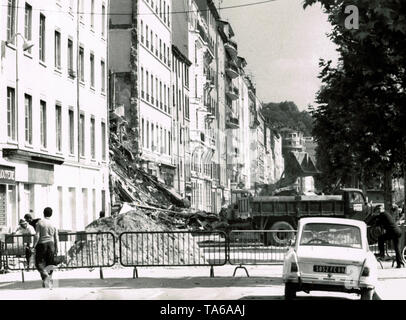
<point x="7" y="186"/>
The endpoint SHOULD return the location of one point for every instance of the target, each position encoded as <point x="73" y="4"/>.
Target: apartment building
<point x="203" y="105"/>
<point x="181" y="97"/>
<point x="142" y="73"/>
<point x="53" y="111"/>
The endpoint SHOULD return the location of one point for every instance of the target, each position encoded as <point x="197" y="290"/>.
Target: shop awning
<point x="32" y="156"/>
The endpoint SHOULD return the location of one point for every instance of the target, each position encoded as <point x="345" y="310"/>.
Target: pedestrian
<point x="46" y="247"/>
<point x="392" y="232"/>
<point x="25" y="229"/>
<point x="32" y="222"/>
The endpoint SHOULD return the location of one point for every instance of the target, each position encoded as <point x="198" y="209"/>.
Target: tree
<point x="359" y="124"/>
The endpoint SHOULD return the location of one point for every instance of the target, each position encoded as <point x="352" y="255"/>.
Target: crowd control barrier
<point x="259" y="247"/>
<point x="75" y="250"/>
<point x="174" y="248"/>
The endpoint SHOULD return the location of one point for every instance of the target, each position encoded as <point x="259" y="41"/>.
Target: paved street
<point x="185" y="283"/>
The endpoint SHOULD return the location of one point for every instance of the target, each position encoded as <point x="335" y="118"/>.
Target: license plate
<point x="329" y="269"/>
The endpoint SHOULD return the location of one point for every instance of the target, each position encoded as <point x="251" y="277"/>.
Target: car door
<point x="356" y="205"/>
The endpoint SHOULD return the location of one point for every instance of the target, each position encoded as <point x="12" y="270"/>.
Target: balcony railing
<point x="232" y="71"/>
<point x="232" y="122"/>
<point x="233" y="92"/>
<point x="232" y="48"/>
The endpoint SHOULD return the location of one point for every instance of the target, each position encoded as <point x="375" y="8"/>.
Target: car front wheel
<point x="367" y="294"/>
<point x="290" y="291"/>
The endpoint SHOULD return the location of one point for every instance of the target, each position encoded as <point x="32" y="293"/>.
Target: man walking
<point x="46" y="246"/>
<point x="25" y="229"/>
<point x="392" y="232"/>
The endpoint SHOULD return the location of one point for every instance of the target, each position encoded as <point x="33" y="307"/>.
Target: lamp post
<point x="26" y="46"/>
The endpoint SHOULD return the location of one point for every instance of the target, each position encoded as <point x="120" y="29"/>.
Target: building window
<point x="71" y="132"/>
<point x="28" y="24"/>
<point x="147" y="146"/>
<point x="43" y="123"/>
<point x="147" y="84"/>
<point x="156" y="138"/>
<point x="92" y="138"/>
<point x="57" y="50"/>
<point x="11" y="21"/>
<point x="146" y="36"/>
<point x="82" y="64"/>
<point x="92" y="70"/>
<point x="82" y="9"/>
<point x="169" y="143"/>
<point x="142" y="31"/>
<point x="156" y="92"/>
<point x="142" y="132"/>
<point x="58" y="127"/>
<point x="152" y="41"/>
<point x="152" y="137"/>
<point x="82" y="135"/>
<point x="92" y="14"/>
<point x="103" y="140"/>
<point x="42" y="37"/>
<point x="160" y="95"/>
<point x="152" y="89"/>
<point x="142" y="82"/>
<point x="103" y="17"/>
<point x="165" y="101"/>
<point x="70" y="58"/>
<point x="103" y="76"/>
<point x="28" y="119"/>
<point x="164" y="13"/>
<point x="165" y="144"/>
<point x="164" y="53"/>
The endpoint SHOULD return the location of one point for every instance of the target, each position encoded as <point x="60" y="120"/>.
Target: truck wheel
<point x="373" y="233"/>
<point x="367" y="294"/>
<point x="404" y="255"/>
<point x="290" y="291"/>
<point x="281" y="238"/>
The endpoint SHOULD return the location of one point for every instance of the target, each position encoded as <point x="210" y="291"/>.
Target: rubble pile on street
<point x="139" y="201"/>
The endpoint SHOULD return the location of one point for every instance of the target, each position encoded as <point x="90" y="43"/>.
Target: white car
<point x="330" y="254"/>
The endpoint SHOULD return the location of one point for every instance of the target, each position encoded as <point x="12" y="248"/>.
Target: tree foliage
<point x="359" y="122"/>
<point x="287" y="114"/>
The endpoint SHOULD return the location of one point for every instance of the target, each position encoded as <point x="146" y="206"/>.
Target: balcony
<point x="232" y="122"/>
<point x="232" y="71"/>
<point x="233" y="92"/>
<point x="232" y="48"/>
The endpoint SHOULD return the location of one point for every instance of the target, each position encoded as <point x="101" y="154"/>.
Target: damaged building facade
<point x="53" y="132"/>
<point x="192" y="115"/>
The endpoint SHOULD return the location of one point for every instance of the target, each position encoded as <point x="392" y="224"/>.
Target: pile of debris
<point x="134" y="190"/>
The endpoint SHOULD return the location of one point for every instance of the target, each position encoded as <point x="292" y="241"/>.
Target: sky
<point x="282" y="44"/>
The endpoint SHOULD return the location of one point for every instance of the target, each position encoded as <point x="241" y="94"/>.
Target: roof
<point x="351" y="222"/>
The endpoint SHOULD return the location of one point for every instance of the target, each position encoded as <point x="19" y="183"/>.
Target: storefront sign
<point x="7" y="175"/>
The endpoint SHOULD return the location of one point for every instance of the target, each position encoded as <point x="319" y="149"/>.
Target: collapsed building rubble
<point x="142" y="194"/>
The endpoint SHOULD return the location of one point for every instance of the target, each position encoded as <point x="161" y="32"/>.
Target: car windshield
<point x="338" y="235"/>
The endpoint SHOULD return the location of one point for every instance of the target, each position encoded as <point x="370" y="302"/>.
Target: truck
<point x="281" y="213"/>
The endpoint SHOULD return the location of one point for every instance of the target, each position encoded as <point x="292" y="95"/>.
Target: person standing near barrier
<point x="392" y="232"/>
<point x="25" y="229"/>
<point x="32" y="222"/>
<point x="46" y="246"/>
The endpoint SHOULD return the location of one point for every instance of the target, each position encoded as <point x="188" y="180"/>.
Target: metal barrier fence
<point x="174" y="248"/>
<point x="75" y="250"/>
<point x="259" y="247"/>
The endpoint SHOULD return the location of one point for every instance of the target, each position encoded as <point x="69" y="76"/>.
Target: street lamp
<point x="26" y="46"/>
<point x="27" y="43"/>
